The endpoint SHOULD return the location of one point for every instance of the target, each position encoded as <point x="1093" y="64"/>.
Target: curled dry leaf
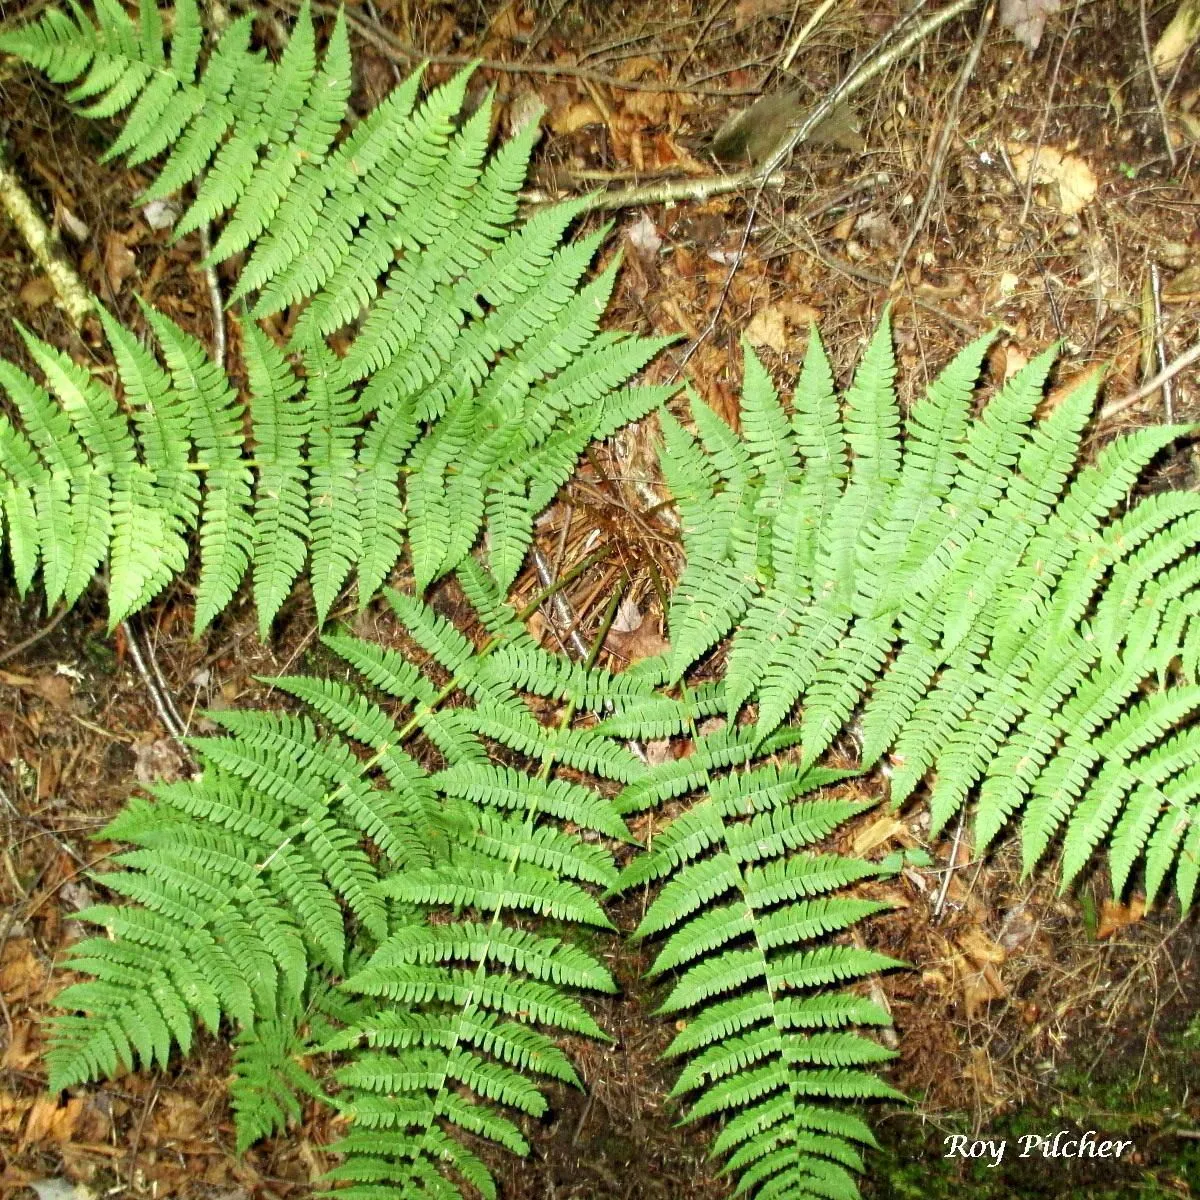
<point x="1114" y="916"/>
<point x="1072" y="178"/>
<point x="158" y="761"/>
<point x="577" y="117"/>
<point x="1178" y="37"/>
<point x="1026" y="19"/>
<point x="767" y="328"/>
<point x="644" y="237"/>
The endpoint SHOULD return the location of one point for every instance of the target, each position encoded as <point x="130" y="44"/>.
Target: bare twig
<point x="1185" y="360"/>
<point x="872" y="64"/>
<point x="564" y="623"/>
<point x="804" y="34"/>
<point x="1160" y="345"/>
<point x="889" y="49"/>
<point x="951" y="865"/>
<point x="34" y="638"/>
<point x="70" y="293"/>
<point x="739" y="256"/>
<point x="214" y="299"/>
<point x="395" y="49"/>
<point x="1159" y="99"/>
<point x="949" y="128"/>
<point x="880" y="281"/>
<point x="159" y="693"/>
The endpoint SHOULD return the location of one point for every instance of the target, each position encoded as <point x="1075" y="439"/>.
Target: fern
<point x="751" y="913"/>
<point x="378" y="888"/>
<point x="252" y="888"/>
<point x="474" y="374"/>
<point x="962" y="596"/>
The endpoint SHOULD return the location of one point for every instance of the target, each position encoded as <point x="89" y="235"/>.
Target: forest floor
<point x="1024" y="1010"/>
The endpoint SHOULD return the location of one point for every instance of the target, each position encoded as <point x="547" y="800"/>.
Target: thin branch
<point x="1185" y="360"/>
<point x="1160" y="345"/>
<point x="951" y="865"/>
<point x="214" y="299"/>
<point x="1159" y="100"/>
<point x="34" y="638"/>
<point x="564" y="619"/>
<point x="949" y="128"/>
<point x="393" y="48"/>
<point x="804" y="34"/>
<point x="160" y="696"/>
<point x="891" y="48"/>
<point x="70" y="293"/>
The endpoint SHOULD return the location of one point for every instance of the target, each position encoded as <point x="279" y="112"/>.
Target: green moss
<point x="1128" y="1095"/>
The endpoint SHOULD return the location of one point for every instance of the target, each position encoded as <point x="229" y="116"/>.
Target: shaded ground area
<point x="1024" y="1011"/>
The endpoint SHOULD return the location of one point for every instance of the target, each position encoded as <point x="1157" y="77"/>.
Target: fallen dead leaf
<point x="49" y="1121"/>
<point x="768" y="328"/>
<point x="19" y="1054"/>
<point x="119" y="261"/>
<point x="1177" y="38"/>
<point x="1074" y="180"/>
<point x="881" y="831"/>
<point x="1026" y="19"/>
<point x="659" y="751"/>
<point x="159" y="760"/>
<point x="1115" y="915"/>
<point x="577" y="117"/>
<point x="54" y="688"/>
<point x="979" y="947"/>
<point x="643" y="642"/>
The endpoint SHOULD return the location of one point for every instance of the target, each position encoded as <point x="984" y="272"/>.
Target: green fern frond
<point x="962" y="588"/>
<point x="324" y="849"/>
<point x="750" y="915"/>
<point x="477" y="375"/>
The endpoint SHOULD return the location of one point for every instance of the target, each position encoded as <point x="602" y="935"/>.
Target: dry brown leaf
<point x="21" y="972"/>
<point x="1177" y="38"/>
<point x="659" y="751"/>
<point x="1026" y="19"/>
<point x="48" y="1121"/>
<point x="1014" y="360"/>
<point x="768" y="328"/>
<point x="578" y="116"/>
<point x="1114" y="915"/>
<point x="159" y="760"/>
<point x="1019" y="926"/>
<point x="980" y="988"/>
<point x="979" y="947"/>
<point x="881" y="831"/>
<point x="19" y="1054"/>
<point x="643" y="642"/>
<point x="119" y="261"/>
<point x="54" y="688"/>
<point x="654" y="106"/>
<point x="1074" y="181"/>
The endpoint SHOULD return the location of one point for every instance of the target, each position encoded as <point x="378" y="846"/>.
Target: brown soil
<point x="1006" y="979"/>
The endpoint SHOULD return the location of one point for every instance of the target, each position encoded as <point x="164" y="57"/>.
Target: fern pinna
<point x="317" y="850"/>
<point x="963" y="598"/>
<point x="444" y="369"/>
